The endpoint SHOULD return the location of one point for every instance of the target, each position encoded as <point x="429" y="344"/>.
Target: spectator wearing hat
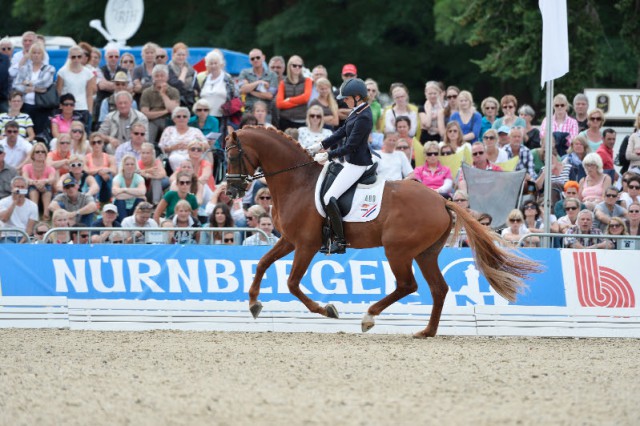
<point x="349" y="71"/>
<point x="117" y="125"/>
<point x="79" y="207"/>
<point x="503" y="137"/>
<point x="17" y="211"/>
<point x="6" y="174"/>
<point x="571" y="190"/>
<point x="120" y="83"/>
<point x="16" y="148"/>
<point x="109" y="219"/>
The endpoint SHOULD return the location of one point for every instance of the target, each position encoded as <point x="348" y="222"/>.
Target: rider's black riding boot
<point x="338" y="244"/>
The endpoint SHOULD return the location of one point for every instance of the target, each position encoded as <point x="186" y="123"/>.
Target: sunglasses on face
<point x="139" y="133"/>
<point x="265" y="197"/>
<point x="248" y="218"/>
<point x="515" y="220"/>
<point x="401" y="148"/>
<point x="68" y="104"/>
<point x="475" y="154"/>
<point x="559" y="105"/>
<point x="75" y="56"/>
<point x="11" y="131"/>
<point x="96" y="142"/>
<point x="315" y="116"/>
<point x="595" y="118"/>
<point x="127" y="61"/>
<point x="64" y="143"/>
<point x="228" y="240"/>
<point x="75" y="165"/>
<point x="508" y="107"/>
<point x="452" y="96"/>
<point x="489" y="107"/>
<point x="615" y="225"/>
<point x="84" y="235"/>
<point x="452" y="131"/>
<point x="194" y="149"/>
<point x="570" y="208"/>
<point x="256" y="58"/>
<point x="161" y="56"/>
<point x="431" y="154"/>
<point x="113" y="56"/>
<point x="41" y="232"/>
<point x="633" y="186"/>
<point x="77" y="131"/>
<point x="39" y="152"/>
<point x="296" y="65"/>
<point x="485" y="223"/>
<point x="184" y="182"/>
<point x="446" y="153"/>
<point x="634" y="211"/>
<point x="6" y="49"/>
<point x="489" y="138"/>
<point x="117" y="242"/>
<point x="202" y="110"/>
<point x="611" y="195"/>
<point x="530" y="207"/>
<point x="181" y="116"/>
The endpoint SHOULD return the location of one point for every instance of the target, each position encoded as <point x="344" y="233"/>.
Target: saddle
<point x="346" y="200"/>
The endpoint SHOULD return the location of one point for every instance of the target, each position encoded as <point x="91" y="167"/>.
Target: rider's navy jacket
<point x="356" y="129"/>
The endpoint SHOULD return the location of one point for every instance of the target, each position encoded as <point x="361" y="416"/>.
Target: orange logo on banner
<point x="599" y="286"/>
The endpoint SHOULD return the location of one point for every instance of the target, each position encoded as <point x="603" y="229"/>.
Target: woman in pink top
<point x="101" y="166"/>
<point x="433" y="174"/>
<point x="40" y="178"/>
<point x="61" y="123"/>
<point x="201" y="167"/>
<point x="593" y="185"/>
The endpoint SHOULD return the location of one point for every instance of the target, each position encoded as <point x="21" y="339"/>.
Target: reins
<point x="246" y="177"/>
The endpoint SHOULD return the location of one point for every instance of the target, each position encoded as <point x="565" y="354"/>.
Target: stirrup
<point x="338" y="246"/>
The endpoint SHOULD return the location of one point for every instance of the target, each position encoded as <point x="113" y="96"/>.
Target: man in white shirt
<point x="16" y="148"/>
<point x="392" y="164"/>
<point x="17" y="211"/>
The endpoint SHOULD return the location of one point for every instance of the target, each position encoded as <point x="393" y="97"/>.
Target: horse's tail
<point x="504" y="270"/>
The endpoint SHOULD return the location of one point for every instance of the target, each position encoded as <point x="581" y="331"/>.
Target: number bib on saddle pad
<point x="361" y="202"/>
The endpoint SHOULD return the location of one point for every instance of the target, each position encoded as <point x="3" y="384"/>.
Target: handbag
<point x="48" y="99"/>
<point x="232" y="107"/>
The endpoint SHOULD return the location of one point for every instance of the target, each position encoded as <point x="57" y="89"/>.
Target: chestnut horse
<point x="414" y="223"/>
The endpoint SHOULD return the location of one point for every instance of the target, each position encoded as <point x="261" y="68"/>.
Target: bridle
<point x="243" y="178"/>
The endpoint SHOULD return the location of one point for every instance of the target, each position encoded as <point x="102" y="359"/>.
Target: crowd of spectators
<point x="139" y="145"/>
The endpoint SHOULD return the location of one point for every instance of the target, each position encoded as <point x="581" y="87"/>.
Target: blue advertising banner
<point x="225" y="273"/>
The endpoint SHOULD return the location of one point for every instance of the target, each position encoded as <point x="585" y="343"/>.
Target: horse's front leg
<point x="282" y="248"/>
<point x="301" y="261"/>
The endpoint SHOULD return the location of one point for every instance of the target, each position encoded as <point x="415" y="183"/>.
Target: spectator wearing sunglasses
<point x="258" y="83"/>
<point x="634" y="218"/>
<point x="128" y="187"/>
<point x="203" y="121"/>
<point x="106" y="76"/>
<point x="39" y="231"/>
<point x="168" y="203"/>
<point x="571" y="207"/>
<point x="314" y="131"/>
<point x="16" y="148"/>
<point x="175" y="139"/>
<point x="480" y="161"/>
<point x="616" y="226"/>
<point x="393" y="164"/>
<point x="433" y="174"/>
<point x="293" y="95"/>
<point x="61" y="123"/>
<point x="516" y="229"/>
<point x="608" y="209"/>
<point x="585" y="226"/>
<point x="79" y="81"/>
<point x="101" y="166"/>
<point x="632" y="193"/>
<point x="593" y="133"/>
<point x="40" y="177"/>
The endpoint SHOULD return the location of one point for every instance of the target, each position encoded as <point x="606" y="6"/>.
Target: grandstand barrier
<point x="10" y="233"/>
<point x="628" y="242"/>
<point x="194" y="287"/>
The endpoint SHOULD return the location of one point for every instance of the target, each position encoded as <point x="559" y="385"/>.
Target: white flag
<point x="555" y="39"/>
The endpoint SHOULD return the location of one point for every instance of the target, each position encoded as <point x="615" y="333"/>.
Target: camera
<point x="21" y="192"/>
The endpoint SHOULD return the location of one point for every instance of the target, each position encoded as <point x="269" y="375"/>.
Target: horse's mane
<point x="281" y="134"/>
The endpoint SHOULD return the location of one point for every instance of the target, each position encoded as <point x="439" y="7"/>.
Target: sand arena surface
<point x="51" y="377"/>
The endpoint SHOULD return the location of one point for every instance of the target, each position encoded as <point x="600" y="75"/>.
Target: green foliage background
<point x="489" y="47"/>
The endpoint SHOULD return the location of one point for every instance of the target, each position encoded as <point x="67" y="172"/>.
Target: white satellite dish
<point x="122" y="19"/>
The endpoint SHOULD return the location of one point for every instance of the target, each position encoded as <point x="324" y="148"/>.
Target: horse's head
<point x="240" y="169"/>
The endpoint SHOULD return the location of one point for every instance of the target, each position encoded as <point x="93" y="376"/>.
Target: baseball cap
<point x="70" y="181"/>
<point x="121" y="76"/>
<point x="109" y="208"/>
<point x="349" y="69"/>
<point x="504" y="129"/>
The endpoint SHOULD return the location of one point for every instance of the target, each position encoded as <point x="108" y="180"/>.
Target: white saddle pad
<point x="366" y="200"/>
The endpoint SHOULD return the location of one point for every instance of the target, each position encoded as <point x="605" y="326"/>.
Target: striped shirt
<point x="23" y="120"/>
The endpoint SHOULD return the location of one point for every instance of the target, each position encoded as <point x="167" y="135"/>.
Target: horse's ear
<point x="231" y="137"/>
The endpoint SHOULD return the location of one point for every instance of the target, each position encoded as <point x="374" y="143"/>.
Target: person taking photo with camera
<point x="17" y="211"/>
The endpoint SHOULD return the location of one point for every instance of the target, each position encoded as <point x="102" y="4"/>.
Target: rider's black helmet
<point x="353" y="87"/>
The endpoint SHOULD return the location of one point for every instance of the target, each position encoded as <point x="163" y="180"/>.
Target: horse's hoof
<point x="422" y="335"/>
<point x="332" y="312"/>
<point x="367" y="322"/>
<point x="255" y="309"/>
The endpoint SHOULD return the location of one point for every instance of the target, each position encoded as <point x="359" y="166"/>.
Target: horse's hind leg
<point x="400" y="264"/>
<point x="428" y="263"/>
<point x="282" y="248"/>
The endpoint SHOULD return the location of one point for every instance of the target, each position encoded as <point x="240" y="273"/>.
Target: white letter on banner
<point x="78" y="281"/>
<point x="176" y="272"/>
<point x="213" y="276"/>
<point x="316" y="278"/>
<point x="95" y="266"/>
<point x="282" y="275"/>
<point x="138" y="277"/>
<point x="357" y="276"/>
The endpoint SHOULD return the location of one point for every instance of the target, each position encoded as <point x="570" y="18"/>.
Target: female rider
<point x="355" y="150"/>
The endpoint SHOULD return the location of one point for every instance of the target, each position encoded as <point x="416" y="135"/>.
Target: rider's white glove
<point x="315" y="148"/>
<point x="321" y="157"/>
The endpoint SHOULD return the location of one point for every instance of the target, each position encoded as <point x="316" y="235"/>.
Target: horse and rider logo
<point x="599" y="286"/>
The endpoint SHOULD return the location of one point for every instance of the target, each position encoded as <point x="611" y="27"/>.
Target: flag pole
<point x="548" y="152"/>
